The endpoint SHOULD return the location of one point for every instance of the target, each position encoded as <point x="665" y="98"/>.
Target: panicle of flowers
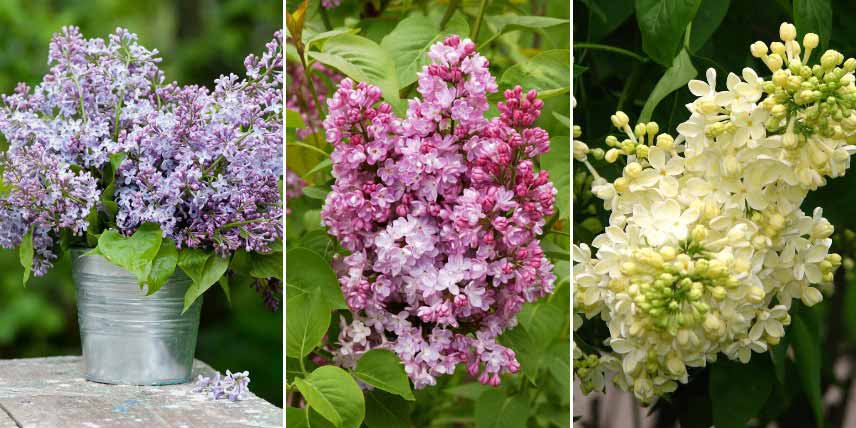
<point x="64" y="130"/>
<point x="233" y="386"/>
<point x="204" y="165"/>
<point x="300" y="97"/>
<point x="706" y="245"/>
<point x="440" y="212"/>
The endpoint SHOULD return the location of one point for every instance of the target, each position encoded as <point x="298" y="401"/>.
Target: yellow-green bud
<point x="787" y="31"/>
<point x="811" y="40"/>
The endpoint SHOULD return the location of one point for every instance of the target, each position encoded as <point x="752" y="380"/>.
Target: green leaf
<point x="814" y="16"/>
<point x="543" y="322"/>
<point x="611" y="15"/>
<point x="307" y="319"/>
<point x="710" y="14"/>
<point x="316" y="192"/>
<point x="306" y="270"/>
<point x="296" y="418"/>
<point x="411" y="39"/>
<point x="385" y="410"/>
<point x="293" y="120"/>
<point x="529" y="354"/>
<point x="676" y="77"/>
<point x="662" y="23"/>
<point x="558" y="163"/>
<point x="204" y="268"/>
<point x="163" y="266"/>
<point x="26" y="253"/>
<point x="549" y="71"/>
<point x="564" y="120"/>
<point x="738" y="391"/>
<point x="559" y="364"/>
<point x="496" y="410"/>
<point x="779" y="355"/>
<point x="362" y="60"/>
<point x="807" y="356"/>
<point x="227" y="290"/>
<point x="135" y="253"/>
<point x="334" y="395"/>
<point x="320" y="166"/>
<point x="266" y="265"/>
<point x="508" y="23"/>
<point x="382" y="369"/>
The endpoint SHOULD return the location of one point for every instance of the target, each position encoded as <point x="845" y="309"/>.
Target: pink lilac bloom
<point x="440" y="212"/>
<point x="299" y="97"/>
<point x="203" y="164"/>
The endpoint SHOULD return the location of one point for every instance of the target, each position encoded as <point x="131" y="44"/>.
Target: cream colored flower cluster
<point x="706" y="245"/>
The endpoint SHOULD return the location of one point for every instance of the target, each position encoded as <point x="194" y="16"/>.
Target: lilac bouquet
<point x="151" y="175"/>
<point x="441" y="213"/>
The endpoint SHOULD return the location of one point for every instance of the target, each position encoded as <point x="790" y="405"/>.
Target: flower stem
<point x="477" y="26"/>
<point x="613" y="49"/>
<point x="453" y="5"/>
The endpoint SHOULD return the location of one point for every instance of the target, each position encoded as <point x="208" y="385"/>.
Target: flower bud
<point x="810" y="296"/>
<point x="758" y="49"/>
<point x="787" y="32"/>
<point x="620" y="120"/>
<point x="612" y="155"/>
<point x="811" y="40"/>
<point x="580" y="150"/>
<point x="665" y="142"/>
<point x="633" y="169"/>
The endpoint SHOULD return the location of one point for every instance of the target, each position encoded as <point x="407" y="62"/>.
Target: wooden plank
<point x="51" y="392"/>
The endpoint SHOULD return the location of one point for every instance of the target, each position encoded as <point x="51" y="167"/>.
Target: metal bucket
<point x="129" y="338"/>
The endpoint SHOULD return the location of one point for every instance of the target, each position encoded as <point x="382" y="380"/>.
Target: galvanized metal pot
<point x="129" y="338"/>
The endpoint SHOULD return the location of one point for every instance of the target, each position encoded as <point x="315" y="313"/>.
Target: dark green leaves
<point x="204" y="268"/>
<point x="307" y="317"/>
<point x="676" y="77"/>
<point x="738" y="391"/>
<point x="548" y="72"/>
<point x="807" y="356"/>
<point x="412" y="38"/>
<point x="382" y="369"/>
<point x="814" y="16"/>
<point x="306" y="270"/>
<point x="710" y="14"/>
<point x="387" y="410"/>
<point x="496" y="410"/>
<point x="662" y="23"/>
<point x="362" y="60"/>
<point x="25" y="254"/>
<point x="134" y="253"/>
<point x="331" y="392"/>
<point x="558" y="163"/>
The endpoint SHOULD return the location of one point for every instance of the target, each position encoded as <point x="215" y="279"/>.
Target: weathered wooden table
<point x="51" y="393"/>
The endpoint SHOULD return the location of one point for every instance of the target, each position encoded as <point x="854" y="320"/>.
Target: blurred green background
<point x="198" y="41"/>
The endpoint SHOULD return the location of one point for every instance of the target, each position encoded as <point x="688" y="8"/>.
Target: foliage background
<point x="630" y="54"/>
<point x="538" y="396"/>
<point x="198" y="41"/>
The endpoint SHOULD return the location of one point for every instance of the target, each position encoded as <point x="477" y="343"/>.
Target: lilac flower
<point x="202" y="164"/>
<point x="441" y="212"/>
<point x="233" y="386"/>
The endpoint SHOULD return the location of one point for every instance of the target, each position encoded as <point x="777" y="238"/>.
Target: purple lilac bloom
<point x="441" y="212"/>
<point x="202" y="164"/>
<point x="300" y="99"/>
<point x="233" y="386"/>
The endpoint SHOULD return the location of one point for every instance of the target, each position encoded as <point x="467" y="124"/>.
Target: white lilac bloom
<point x="707" y="244"/>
